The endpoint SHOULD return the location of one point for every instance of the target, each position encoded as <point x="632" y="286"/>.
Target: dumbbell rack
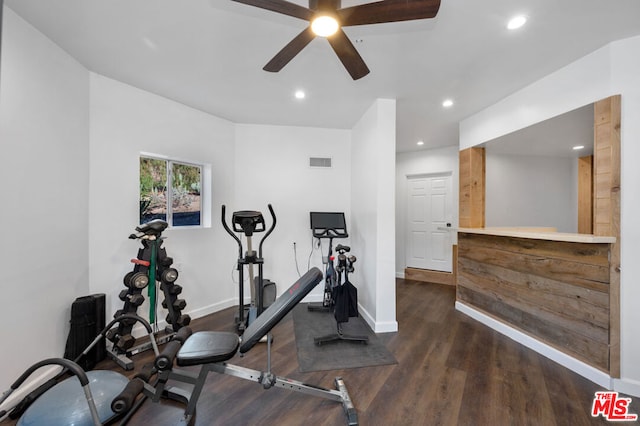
<point x="151" y="265"/>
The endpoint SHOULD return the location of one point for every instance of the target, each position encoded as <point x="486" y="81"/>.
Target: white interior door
<point x="429" y="208"/>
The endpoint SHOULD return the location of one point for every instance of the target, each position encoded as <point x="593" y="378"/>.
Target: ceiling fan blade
<point x="281" y="6"/>
<point x="388" y="11"/>
<point x="348" y="55"/>
<point x="288" y="52"/>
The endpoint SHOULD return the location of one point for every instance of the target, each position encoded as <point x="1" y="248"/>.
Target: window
<point x="178" y="203"/>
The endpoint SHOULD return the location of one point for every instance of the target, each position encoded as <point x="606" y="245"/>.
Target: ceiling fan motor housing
<point x="325" y="5"/>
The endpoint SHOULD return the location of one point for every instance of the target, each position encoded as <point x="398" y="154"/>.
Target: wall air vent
<point x="320" y="162"/>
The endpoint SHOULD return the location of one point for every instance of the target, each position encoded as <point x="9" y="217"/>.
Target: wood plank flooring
<point x="451" y="371"/>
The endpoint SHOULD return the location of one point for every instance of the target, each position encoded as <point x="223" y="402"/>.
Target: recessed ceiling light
<point x="578" y="147"/>
<point x="324" y="26"/>
<point x="420" y="143"/>
<point x="516" y="22"/>
<point x="300" y="94"/>
<point x="447" y="103"/>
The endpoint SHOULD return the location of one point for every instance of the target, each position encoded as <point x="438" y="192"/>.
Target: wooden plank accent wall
<point x="585" y="195"/>
<point x="607" y="118"/>
<point x="557" y="292"/>
<point x="607" y="166"/>
<point x="472" y="188"/>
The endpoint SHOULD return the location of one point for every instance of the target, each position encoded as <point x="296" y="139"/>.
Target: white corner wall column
<point x="373" y="214"/>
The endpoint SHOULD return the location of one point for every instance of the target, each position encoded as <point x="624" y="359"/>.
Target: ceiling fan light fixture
<point x="325" y="25"/>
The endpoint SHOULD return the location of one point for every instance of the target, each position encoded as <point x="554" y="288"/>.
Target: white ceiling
<point x="209" y="54"/>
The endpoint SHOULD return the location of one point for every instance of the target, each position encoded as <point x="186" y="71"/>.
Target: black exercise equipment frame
<point x="210" y="350"/>
<point x="72" y="367"/>
<point x="327" y="225"/>
<point x="248" y="222"/>
<point x="345" y="266"/>
<point x="152" y="264"/>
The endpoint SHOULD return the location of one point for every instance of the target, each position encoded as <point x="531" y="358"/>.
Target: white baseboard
<point x="596" y="376"/>
<point x="210" y="309"/>
<point x="377" y="326"/>
<point x="400" y="274"/>
<point x="627" y="387"/>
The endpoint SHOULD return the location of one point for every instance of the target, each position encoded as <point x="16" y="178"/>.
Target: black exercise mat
<point x="335" y="355"/>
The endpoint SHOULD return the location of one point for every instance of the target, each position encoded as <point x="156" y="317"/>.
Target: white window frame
<point x="205" y="188"/>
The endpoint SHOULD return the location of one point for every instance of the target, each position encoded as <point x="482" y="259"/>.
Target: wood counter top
<point x="538" y="234"/>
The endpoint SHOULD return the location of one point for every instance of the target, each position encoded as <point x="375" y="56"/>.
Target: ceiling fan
<point x="331" y="13"/>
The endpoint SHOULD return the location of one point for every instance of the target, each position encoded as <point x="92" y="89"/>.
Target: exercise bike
<point x="263" y="291"/>
<point x="340" y="296"/>
<point x="345" y="299"/>
<point x="327" y="226"/>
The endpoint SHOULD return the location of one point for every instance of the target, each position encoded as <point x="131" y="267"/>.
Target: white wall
<point x="626" y="69"/>
<point x="440" y="160"/>
<point x="124" y="122"/>
<point x="44" y="129"/>
<point x="272" y="167"/>
<point x="611" y="70"/>
<point x="373" y="210"/>
<point x="531" y="105"/>
<point x="530" y="191"/>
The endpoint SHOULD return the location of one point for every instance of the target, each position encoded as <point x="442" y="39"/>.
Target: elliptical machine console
<point x="263" y="291"/>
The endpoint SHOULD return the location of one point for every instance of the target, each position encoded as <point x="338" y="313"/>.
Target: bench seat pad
<point x="205" y="347"/>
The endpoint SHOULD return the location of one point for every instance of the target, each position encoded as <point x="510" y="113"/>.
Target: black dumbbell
<point x="178" y="304"/>
<point x="136" y="299"/>
<point x="123" y="295"/>
<point x="112" y="335"/>
<point x="169" y="275"/>
<point x="174" y="289"/>
<point x="125" y="342"/>
<point x="184" y="320"/>
<point x="126" y="278"/>
<point x="137" y="280"/>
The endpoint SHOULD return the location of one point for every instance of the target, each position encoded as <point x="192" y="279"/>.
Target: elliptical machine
<point x="263" y="291"/>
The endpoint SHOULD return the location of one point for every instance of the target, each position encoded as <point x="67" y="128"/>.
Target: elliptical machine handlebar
<point x="230" y="232"/>
<point x="247" y="221"/>
<point x="273" y="225"/>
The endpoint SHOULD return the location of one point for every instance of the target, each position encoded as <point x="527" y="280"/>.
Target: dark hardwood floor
<point x="451" y="371"/>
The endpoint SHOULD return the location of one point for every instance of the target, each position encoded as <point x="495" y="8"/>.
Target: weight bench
<point x="211" y="350"/>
